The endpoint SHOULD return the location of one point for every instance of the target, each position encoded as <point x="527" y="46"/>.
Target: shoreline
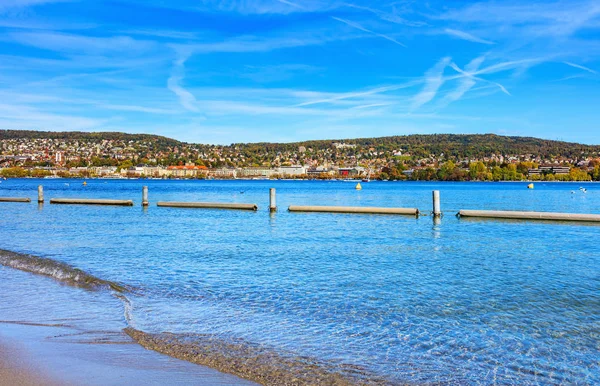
<point x="54" y="346"/>
<point x="51" y="355"/>
<point x="57" y="343"/>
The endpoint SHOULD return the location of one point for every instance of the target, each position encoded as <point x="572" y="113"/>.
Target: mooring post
<point x="40" y="194"/>
<point x="272" y="201"/>
<point x="437" y="211"/>
<point x="145" y="196"/>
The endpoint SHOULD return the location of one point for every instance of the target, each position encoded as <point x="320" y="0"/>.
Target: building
<point x="554" y="169"/>
<point x="291" y="171"/>
<point x="188" y="171"/>
<point x="223" y="173"/>
<point x="255" y="172"/>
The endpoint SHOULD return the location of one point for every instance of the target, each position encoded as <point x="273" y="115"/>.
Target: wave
<point x="62" y="272"/>
<point x="253" y="362"/>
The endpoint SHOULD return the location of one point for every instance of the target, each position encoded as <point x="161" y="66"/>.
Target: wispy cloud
<point x="275" y="73"/>
<point x="466" y="36"/>
<point x="7" y="5"/>
<point x="465" y="83"/>
<point x="391" y="17"/>
<point x="512" y="64"/>
<point x="186" y="98"/>
<point x="579" y="66"/>
<point x="140" y="109"/>
<point x="361" y="28"/>
<point x="254" y="44"/>
<point x="357" y="94"/>
<point x="555" y="18"/>
<point x="242" y="7"/>
<point x="14" y="116"/>
<point x="434" y="78"/>
<point x="469" y="78"/>
<point x="78" y="44"/>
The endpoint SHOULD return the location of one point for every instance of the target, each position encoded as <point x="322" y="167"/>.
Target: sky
<point x="227" y="71"/>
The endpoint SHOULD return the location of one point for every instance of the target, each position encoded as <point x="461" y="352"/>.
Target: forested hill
<point x="456" y="145"/>
<point x="88" y="136"/>
<point x="473" y="146"/>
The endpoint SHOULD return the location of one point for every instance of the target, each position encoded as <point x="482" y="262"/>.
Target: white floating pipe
<point x="519" y="215"/>
<point x="207" y="205"/>
<point x="89" y="201"/>
<point x="14" y="199"/>
<point x="354" y="209"/>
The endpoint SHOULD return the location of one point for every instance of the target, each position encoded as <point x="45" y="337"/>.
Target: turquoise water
<point x="400" y="298"/>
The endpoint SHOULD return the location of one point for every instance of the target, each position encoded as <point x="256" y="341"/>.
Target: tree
<point x="596" y="173"/>
<point x="16" y="172"/>
<point x="477" y="171"/>
<point x="125" y="165"/>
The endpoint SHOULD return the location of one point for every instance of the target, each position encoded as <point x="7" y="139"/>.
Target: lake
<point x="375" y="298"/>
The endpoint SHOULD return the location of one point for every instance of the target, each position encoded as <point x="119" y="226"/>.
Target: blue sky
<point x="286" y="70"/>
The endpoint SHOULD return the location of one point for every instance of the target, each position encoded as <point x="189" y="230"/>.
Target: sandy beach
<point x="50" y="355"/>
<point x="16" y="369"/>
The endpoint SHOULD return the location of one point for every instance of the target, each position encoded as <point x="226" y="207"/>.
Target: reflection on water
<point x="411" y="300"/>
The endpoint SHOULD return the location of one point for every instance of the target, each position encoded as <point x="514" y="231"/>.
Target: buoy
<point x="84" y="183"/>
<point x="358" y="187"/>
<point x="530" y="186"/>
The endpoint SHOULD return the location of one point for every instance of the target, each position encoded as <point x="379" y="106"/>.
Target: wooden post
<point x="437" y="211"/>
<point x="145" y="196"/>
<point x="40" y="194"/>
<point x="272" y="201"/>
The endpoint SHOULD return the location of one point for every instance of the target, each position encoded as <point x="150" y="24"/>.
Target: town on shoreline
<point x="443" y="157"/>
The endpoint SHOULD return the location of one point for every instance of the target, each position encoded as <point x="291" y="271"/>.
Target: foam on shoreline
<point x="57" y="270"/>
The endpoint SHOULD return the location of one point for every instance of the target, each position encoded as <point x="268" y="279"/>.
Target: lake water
<point x="375" y="298"/>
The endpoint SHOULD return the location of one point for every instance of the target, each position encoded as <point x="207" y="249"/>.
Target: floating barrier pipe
<point x="89" y="201"/>
<point x="354" y="209"/>
<point x="14" y="199"/>
<point x="207" y="205"/>
<point x="549" y="216"/>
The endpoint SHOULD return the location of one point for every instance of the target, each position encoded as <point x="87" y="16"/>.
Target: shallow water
<point x="371" y="297"/>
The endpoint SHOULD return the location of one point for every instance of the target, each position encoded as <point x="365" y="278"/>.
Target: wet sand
<point x="15" y="369"/>
<point x="56" y="355"/>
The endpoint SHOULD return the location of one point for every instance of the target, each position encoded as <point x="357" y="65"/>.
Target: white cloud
<point x="466" y="36"/>
<point x="8" y="5"/>
<point x="357" y="94"/>
<point x="579" y="66"/>
<point x="186" y="98"/>
<point x="77" y="44"/>
<point x="434" y="78"/>
<point x="361" y="28"/>
<point x="25" y="117"/>
<point x="557" y="18"/>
